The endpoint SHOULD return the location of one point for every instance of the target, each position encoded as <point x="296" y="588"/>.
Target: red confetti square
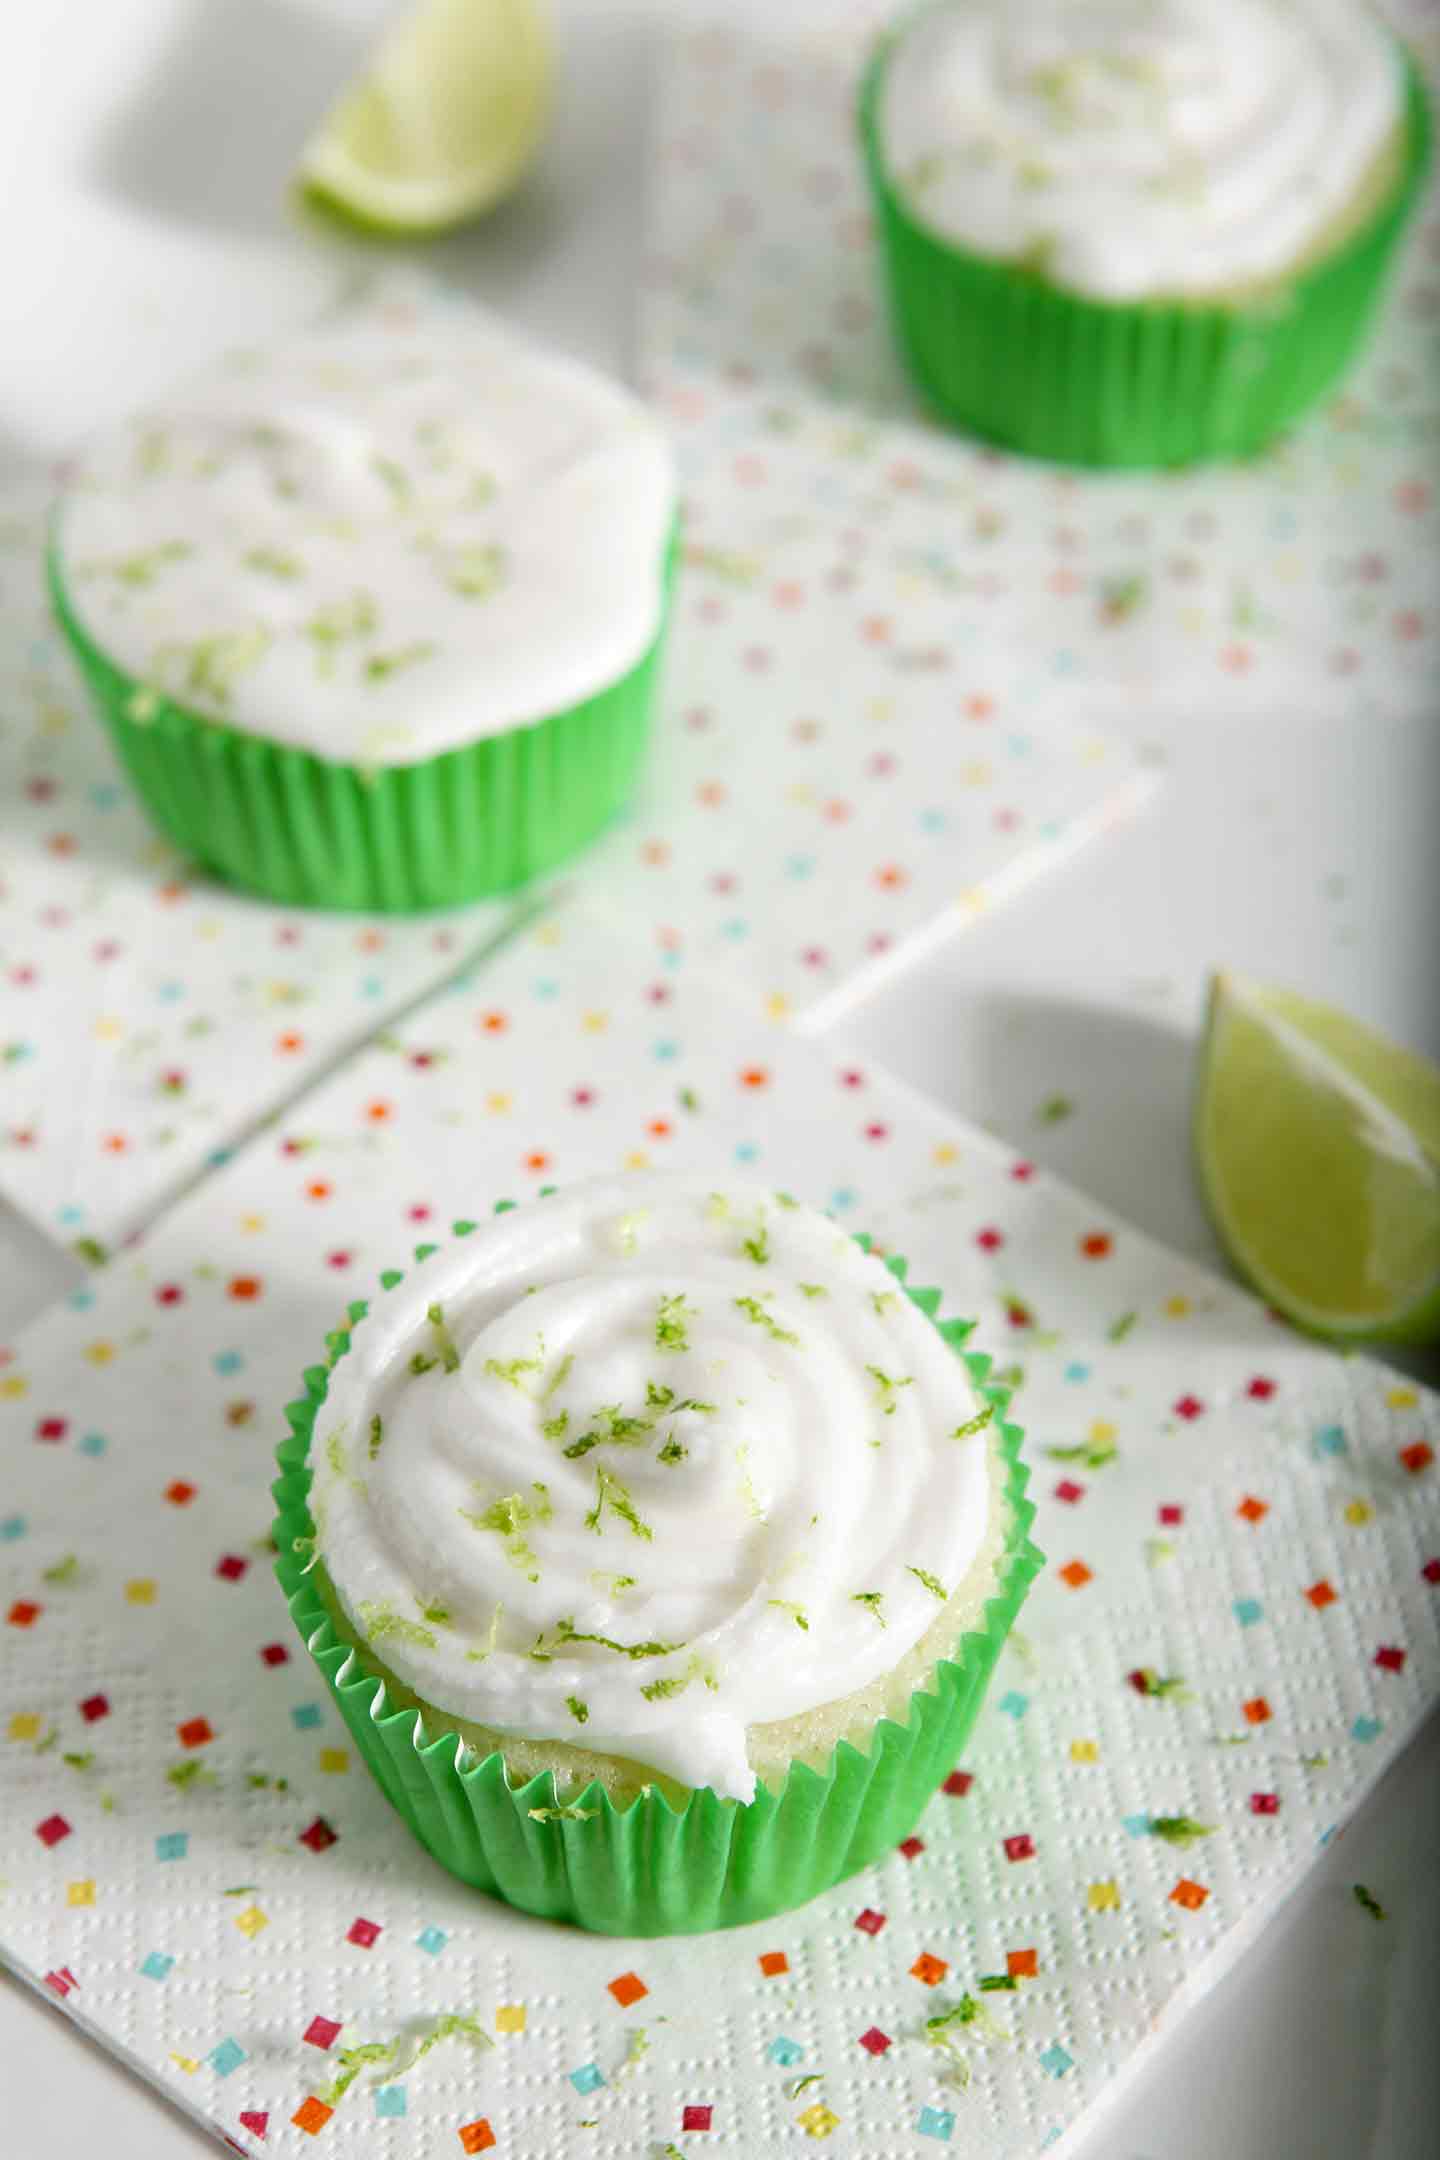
<point x="1020" y="1847"/>
<point x="52" y="1428"/>
<point x="321" y="2032"/>
<point x="1257" y="1711"/>
<point x="1189" y="1407"/>
<point x="24" y="1613"/>
<point x="274" y="1653"/>
<point x="958" y="1783"/>
<point x="180" y="1492"/>
<point x="929" y="1970"/>
<point x="476" y="2137"/>
<point x="1390" y="1658"/>
<point x="1431" y="1571"/>
<point x="1260" y="1389"/>
<point x="1322" y="1594"/>
<point x="319" y="1835"/>
<point x="52" y="1830"/>
<point x="772" y="1962"/>
<point x="1068" y="1491"/>
<point x="311" y="2116"/>
<point x="1253" y="1510"/>
<point x="911" y="1847"/>
<point x="231" y="1566"/>
<point x="364" y="1933"/>
<point x="1417" y="1457"/>
<point x="93" y="1707"/>
<point x="1264" y="1803"/>
<point x="1191" y="1895"/>
<point x="1076" y="1574"/>
<point x="627" y="1988"/>
<point x="61" y="1981"/>
<point x="195" y="1732"/>
<point x="696" y="2117"/>
<point x="1022" y="1964"/>
<point x="870" y="1922"/>
<point x="255" y="2120"/>
<point x="1096" y="1246"/>
<point x="874" y="2041"/>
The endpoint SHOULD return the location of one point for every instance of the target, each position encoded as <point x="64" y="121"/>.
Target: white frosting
<point x="1134" y="148"/>
<point x="771" y="1515"/>
<point x="402" y="530"/>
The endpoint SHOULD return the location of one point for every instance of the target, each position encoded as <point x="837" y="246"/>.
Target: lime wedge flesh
<point x="1318" y="1146"/>
<point x="444" y="121"/>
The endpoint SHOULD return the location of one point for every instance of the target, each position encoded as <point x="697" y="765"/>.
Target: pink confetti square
<point x="321" y="2032"/>
<point x="52" y="1830"/>
<point x="365" y="1933"/>
<point x="93" y="1707"/>
<point x="274" y="1653"/>
<point x="911" y="1847"/>
<point x="870" y="1922"/>
<point x="61" y="1981"/>
<point x="255" y="2120"/>
<point x="1264" y="1803"/>
<point x="231" y="1566"/>
<point x="696" y="2117"/>
<point x="1020" y="1847"/>
<point x="958" y="1783"/>
<point x="874" y="2041"/>
<point x="1068" y="1491"/>
<point x="319" y="1835"/>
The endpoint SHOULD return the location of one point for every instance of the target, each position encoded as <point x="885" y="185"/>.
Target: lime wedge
<point x="443" y="122"/>
<point x="1318" y="1145"/>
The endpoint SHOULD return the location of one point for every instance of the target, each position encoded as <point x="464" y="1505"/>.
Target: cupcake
<point x="374" y="617"/>
<point x="656" y="1543"/>
<point x="1138" y="232"/>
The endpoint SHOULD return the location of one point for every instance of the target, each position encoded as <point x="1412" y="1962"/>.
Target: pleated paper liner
<point x="309" y="831"/>
<point x="1000" y="352"/>
<point x="647" y="1867"/>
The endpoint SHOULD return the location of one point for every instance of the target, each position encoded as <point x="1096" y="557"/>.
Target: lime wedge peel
<point x="1318" y="1148"/>
<point x="444" y="121"/>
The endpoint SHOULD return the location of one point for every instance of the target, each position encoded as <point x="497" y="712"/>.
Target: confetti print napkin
<point x="1302" y="581"/>
<point x="1237" y="1631"/>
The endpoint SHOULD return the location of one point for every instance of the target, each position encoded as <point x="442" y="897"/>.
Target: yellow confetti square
<point x="1401" y="1398"/>
<point x="548" y="934"/>
<point x="510" y="2018"/>
<point x="637" y="1159"/>
<point x="252" y="1921"/>
<point x="1358" y="1512"/>
<point x="140" y="1592"/>
<point x="108" y="1029"/>
<point x="1101" y="1431"/>
<point x="100" y="1353"/>
<point x="187" y="2063"/>
<point x="80" y="1893"/>
<point x="25" y="1725"/>
<point x="944" y="1151"/>
<point x="13" y="1386"/>
<point x="334" y="1760"/>
<point x="1176" y="1308"/>
<point x="976" y="774"/>
<point x="595" y="1023"/>
<point x="1084" y="1751"/>
<point x="252" y="1224"/>
<point x="777" y="1005"/>
<point x="1103" y="1897"/>
<point x="497" y="1103"/>
<point x="818" y="2121"/>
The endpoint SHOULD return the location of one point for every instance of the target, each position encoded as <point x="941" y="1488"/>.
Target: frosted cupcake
<point x="374" y="617"/>
<point x="657" y="1543"/>
<point x="1131" y="232"/>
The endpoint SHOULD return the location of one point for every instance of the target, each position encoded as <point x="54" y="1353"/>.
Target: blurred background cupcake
<point x="1138" y="232"/>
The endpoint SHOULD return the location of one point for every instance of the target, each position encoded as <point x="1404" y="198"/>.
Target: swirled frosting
<point x="1132" y="148"/>
<point x="644" y="1465"/>
<point x="400" y="531"/>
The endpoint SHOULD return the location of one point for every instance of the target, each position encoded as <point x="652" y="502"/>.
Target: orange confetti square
<point x="931" y="1970"/>
<point x="195" y="1732"/>
<point x="1076" y="1574"/>
<point x="1417" y="1457"/>
<point x="772" y="1962"/>
<point x="1321" y="1594"/>
<point x="1253" y="1510"/>
<point x="311" y="2116"/>
<point x="627" y="1988"/>
<point x="1191" y="1895"/>
<point x="1257" y="1711"/>
<point x="476" y="2137"/>
<point x="1022" y="1964"/>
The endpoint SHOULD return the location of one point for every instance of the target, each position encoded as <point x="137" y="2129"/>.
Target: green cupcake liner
<point x="309" y="831"/>
<point x="998" y="351"/>
<point x="648" y="1867"/>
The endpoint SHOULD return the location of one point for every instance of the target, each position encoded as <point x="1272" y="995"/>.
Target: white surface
<point x="1303" y="852"/>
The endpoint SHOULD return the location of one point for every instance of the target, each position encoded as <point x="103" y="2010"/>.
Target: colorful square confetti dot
<point x="772" y="1962"/>
<point x="230" y="1567"/>
<point x="910" y="1848"/>
<point x="274" y="1653"/>
<point x="1019" y="1847"/>
<point x="82" y="1892"/>
<point x="1252" y="1510"/>
<point x="696" y="2116"/>
<point x="627" y="1988"/>
<point x="784" y="2051"/>
<point x="1417" y="1457"/>
<point x="311" y="2116"/>
<point x="510" y="2018"/>
<point x="226" y="2057"/>
<point x="1190" y="1895"/>
<point x="874" y="2041"/>
<point x="870" y="1922"/>
<point x="334" y="1761"/>
<point x="52" y="1830"/>
<point x="1264" y="1803"/>
<point x="95" y="1707"/>
<point x="588" y="2078"/>
<point x="1084" y="1751"/>
<point x="936" y="2123"/>
<point x="1022" y="1964"/>
<point x="156" y="1966"/>
<point x="363" y="1933"/>
<point x="1056" y="2060"/>
<point x="24" y="1613"/>
<point x="319" y="1835"/>
<point x="476" y="2137"/>
<point x="431" y="1940"/>
<point x="252" y="1921"/>
<point x="172" y="1845"/>
<point x="1257" y="1711"/>
<point x="25" y="1725"/>
<point x="305" y="1716"/>
<point x="140" y="1592"/>
<point x="1075" y="1574"/>
<point x="195" y="1732"/>
<point x="928" y="1969"/>
<point x="1390" y="1658"/>
<point x="1431" y="1570"/>
<point x="1366" y="1729"/>
<point x="321" y="2032"/>
<point x="818" y="2121"/>
<point x="389" y="2102"/>
<point x="958" y="1784"/>
<point x="180" y="1492"/>
<point x="1248" y="1611"/>
<point x="255" y="2120"/>
<point x="1321" y="1593"/>
<point x="1103" y="1897"/>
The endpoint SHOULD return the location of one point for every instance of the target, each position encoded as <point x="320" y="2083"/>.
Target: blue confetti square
<point x="1365" y="1729"/>
<point x="390" y="2100"/>
<point x="157" y="1965"/>
<point x="1136" y="1825"/>
<point x="226" y="2057"/>
<point x="1248" y="1610"/>
<point x="1077" y="1371"/>
<point x="1014" y="1704"/>
<point x="13" y="1527"/>
<point x="842" y="1199"/>
<point x="1330" y="1440"/>
<point x="432" y="1939"/>
<point x="305" y="1715"/>
<point x="92" y="1443"/>
<point x="587" y="2078"/>
<point x="80" y="1300"/>
<point x="937" y="2123"/>
<point x="228" y="1361"/>
<point x="665" y="1051"/>
<point x="1055" y="2061"/>
<point x="746" y="1151"/>
<point x="735" y="930"/>
<point x="785" y="2052"/>
<point x="173" y="1845"/>
<point x="799" y="866"/>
